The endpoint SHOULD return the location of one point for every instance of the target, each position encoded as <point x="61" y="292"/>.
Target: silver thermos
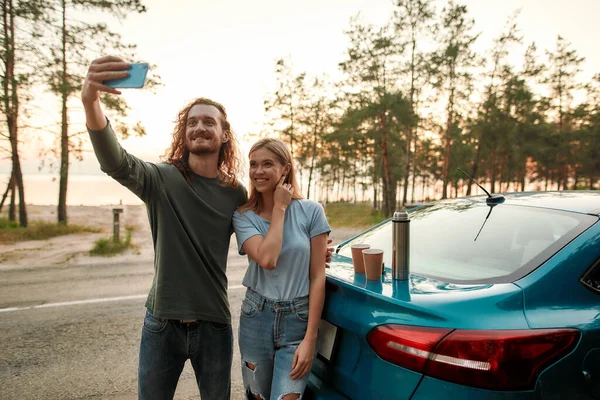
<point x="400" y="245"/>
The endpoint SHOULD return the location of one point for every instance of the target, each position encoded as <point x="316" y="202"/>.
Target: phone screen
<point x="135" y="80"/>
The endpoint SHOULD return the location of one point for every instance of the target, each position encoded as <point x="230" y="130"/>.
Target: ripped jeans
<point x="270" y="332"/>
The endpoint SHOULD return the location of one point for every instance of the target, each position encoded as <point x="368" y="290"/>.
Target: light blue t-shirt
<point x="304" y="219"/>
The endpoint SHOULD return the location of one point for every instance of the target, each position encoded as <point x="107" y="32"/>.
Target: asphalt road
<point x="72" y="332"/>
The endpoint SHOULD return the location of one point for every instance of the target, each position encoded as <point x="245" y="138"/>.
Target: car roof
<point x="580" y="201"/>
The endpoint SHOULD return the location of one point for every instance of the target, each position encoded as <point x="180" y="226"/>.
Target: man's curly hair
<point x="229" y="158"/>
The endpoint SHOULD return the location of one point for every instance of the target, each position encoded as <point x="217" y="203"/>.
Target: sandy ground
<point x="74" y="249"/>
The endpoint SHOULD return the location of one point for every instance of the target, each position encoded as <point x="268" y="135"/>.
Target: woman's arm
<point x="265" y="250"/>
<point x="304" y="355"/>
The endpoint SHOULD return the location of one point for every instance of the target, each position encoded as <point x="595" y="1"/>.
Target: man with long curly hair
<point x="190" y="199"/>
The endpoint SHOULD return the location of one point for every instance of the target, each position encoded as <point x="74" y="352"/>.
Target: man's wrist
<point x="96" y="126"/>
<point x="95" y="119"/>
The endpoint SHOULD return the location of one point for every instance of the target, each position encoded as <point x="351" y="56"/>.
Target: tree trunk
<point x="312" y="165"/>
<point x="575" y="179"/>
<point x="412" y="188"/>
<point x="64" y="132"/>
<point x="475" y="167"/>
<point x="310" y="172"/>
<point x="448" y="144"/>
<point x="375" y="183"/>
<point x="354" y="183"/>
<point x="8" y="187"/>
<point x="407" y="165"/>
<point x="388" y="195"/>
<point x="12" y="206"/>
<point x="501" y="172"/>
<point x="16" y="164"/>
<point x="11" y="103"/>
<point x="410" y="132"/>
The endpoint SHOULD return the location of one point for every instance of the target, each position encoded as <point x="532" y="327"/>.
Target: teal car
<point x="502" y="302"/>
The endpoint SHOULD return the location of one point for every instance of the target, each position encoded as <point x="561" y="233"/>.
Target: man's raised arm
<point x="125" y="168"/>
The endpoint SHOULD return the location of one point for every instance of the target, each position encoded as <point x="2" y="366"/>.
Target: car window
<point x="468" y="242"/>
<point x="591" y="278"/>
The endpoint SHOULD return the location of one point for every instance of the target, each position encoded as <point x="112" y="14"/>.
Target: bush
<point x="108" y="247"/>
<point x="5" y="223"/>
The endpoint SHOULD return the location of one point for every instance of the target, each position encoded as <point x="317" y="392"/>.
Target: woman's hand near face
<point x="283" y="194"/>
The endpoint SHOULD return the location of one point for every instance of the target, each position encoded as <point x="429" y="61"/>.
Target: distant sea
<point x="86" y="190"/>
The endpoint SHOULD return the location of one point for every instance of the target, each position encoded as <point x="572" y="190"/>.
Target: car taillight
<point x="495" y="360"/>
<point x="407" y="346"/>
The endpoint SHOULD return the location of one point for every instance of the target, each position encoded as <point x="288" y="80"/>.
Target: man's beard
<point x="203" y="151"/>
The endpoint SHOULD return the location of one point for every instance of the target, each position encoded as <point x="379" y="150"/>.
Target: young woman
<point x="285" y="238"/>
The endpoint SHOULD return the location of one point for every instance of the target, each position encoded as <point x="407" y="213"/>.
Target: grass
<point x="11" y="232"/>
<point x="352" y="215"/>
<point x="108" y="247"/>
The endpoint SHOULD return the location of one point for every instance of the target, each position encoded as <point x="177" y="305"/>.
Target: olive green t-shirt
<point x="191" y="227"/>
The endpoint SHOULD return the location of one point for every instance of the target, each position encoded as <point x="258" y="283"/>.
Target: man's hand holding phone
<point x="107" y="74"/>
<point x="102" y="69"/>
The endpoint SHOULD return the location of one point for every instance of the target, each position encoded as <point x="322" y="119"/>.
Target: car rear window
<point x="466" y="242"/>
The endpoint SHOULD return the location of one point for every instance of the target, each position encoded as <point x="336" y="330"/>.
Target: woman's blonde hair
<point x="283" y="155"/>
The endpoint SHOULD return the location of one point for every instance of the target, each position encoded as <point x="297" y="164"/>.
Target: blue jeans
<point x="167" y="344"/>
<point x="270" y="332"/>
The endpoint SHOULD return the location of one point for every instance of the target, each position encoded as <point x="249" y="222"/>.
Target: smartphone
<point x="287" y="178"/>
<point x="135" y="80"/>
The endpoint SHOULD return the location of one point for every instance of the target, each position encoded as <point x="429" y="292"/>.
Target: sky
<point x="226" y="50"/>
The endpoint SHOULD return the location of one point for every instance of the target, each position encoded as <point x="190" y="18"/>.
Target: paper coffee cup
<point x="373" y="260"/>
<point x="357" y="257"/>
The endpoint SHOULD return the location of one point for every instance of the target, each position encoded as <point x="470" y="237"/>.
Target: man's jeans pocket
<point x="153" y="324"/>
<point x="218" y="326"/>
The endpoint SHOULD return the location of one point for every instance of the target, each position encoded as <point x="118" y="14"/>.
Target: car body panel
<point x="579" y="308"/>
<point x="425" y="301"/>
<point x="319" y="390"/>
<point x="431" y="388"/>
